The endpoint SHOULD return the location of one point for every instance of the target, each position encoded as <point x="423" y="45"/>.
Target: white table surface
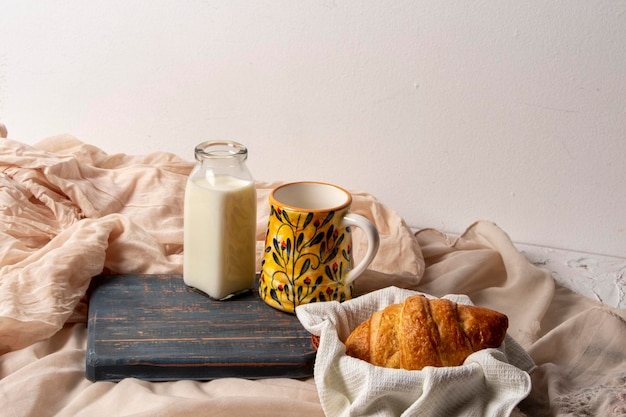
<point x="599" y="277"/>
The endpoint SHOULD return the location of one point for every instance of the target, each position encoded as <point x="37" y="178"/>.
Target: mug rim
<point x="344" y="205"/>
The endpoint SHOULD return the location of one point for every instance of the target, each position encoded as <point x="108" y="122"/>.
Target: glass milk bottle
<point x="220" y="221"/>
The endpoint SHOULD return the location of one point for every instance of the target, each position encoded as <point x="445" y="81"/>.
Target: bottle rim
<point x="220" y="149"/>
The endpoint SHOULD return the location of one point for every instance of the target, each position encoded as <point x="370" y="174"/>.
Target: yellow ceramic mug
<point x="308" y="246"/>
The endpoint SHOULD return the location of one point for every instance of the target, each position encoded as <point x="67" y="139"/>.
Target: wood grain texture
<point x="154" y="327"/>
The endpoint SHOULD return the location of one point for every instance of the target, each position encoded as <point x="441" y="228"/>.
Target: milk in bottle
<point x="220" y="222"/>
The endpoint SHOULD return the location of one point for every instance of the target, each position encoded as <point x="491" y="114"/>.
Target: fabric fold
<point x="485" y="251"/>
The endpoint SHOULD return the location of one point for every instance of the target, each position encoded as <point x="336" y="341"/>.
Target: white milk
<point x="220" y="228"/>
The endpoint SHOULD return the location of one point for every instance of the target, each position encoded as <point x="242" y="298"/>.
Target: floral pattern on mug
<point x="306" y="258"/>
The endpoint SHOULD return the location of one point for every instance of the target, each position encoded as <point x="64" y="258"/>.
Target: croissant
<point x="420" y="332"/>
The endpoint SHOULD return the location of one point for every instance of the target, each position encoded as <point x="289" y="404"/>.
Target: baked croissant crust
<point x="420" y="332"/>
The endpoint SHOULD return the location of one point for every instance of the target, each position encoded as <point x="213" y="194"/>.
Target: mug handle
<point x="373" y="241"/>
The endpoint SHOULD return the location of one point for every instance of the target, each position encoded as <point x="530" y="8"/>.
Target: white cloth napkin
<point x="491" y="382"/>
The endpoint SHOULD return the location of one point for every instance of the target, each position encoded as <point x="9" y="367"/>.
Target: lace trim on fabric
<point x="606" y="399"/>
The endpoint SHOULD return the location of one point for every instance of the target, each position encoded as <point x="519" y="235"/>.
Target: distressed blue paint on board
<point x="154" y="327"/>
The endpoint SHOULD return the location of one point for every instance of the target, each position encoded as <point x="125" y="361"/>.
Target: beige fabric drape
<point x="69" y="211"/>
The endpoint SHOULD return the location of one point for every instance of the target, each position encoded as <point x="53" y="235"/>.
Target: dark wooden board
<point x="156" y="328"/>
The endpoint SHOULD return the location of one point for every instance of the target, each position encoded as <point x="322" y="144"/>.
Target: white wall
<point x="448" y="112"/>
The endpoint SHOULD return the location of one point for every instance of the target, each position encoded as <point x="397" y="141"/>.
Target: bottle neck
<point x="217" y="158"/>
<point x="221" y="151"/>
